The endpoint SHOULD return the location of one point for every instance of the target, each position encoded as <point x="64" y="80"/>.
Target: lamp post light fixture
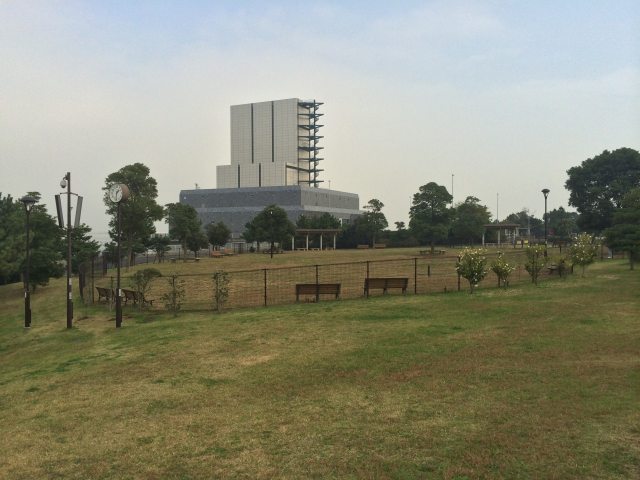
<point x="545" y="192"/>
<point x="28" y="202"/>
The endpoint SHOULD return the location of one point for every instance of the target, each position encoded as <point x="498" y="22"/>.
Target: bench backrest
<point x="390" y="282"/>
<point x="321" y="288"/>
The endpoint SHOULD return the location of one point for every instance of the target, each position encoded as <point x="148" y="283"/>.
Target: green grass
<point x="531" y="382"/>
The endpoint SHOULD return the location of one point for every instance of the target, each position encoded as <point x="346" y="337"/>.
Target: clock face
<point x="115" y="193"/>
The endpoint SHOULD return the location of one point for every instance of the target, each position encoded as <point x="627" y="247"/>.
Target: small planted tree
<point x="220" y="289"/>
<point x="141" y="282"/>
<point x="584" y="251"/>
<point x="502" y="269"/>
<point x="535" y="261"/>
<point x="471" y="265"/>
<point x="174" y="298"/>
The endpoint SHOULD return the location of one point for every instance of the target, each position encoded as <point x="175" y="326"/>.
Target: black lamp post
<point x="545" y="192"/>
<point x="28" y="202"/>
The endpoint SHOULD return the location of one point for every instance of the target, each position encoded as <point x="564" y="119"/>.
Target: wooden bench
<point x="385" y="284"/>
<point x="552" y="268"/>
<point x="379" y="245"/>
<point x="435" y="252"/>
<point x="363" y="246"/>
<point x="317" y="289"/>
<point x="216" y="254"/>
<point x="105" y="293"/>
<point x="135" y="297"/>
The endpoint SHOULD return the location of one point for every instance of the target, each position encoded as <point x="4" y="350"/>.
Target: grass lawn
<point x="531" y="382"/>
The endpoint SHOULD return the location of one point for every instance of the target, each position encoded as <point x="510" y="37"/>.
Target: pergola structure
<point x="315" y="231"/>
<point x="511" y="231"/>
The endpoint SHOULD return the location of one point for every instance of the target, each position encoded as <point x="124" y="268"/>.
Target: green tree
<point x="83" y="247"/>
<point x="624" y="235"/>
<point x="598" y="185"/>
<point x="218" y="234"/>
<point x="562" y="225"/>
<point x="469" y="218"/>
<point x="270" y="225"/>
<point x="139" y="212"/>
<point x="46" y="245"/>
<point x="471" y="265"/>
<point x="372" y="221"/>
<point x="12" y="239"/>
<point x="584" y="251"/>
<point x="429" y="216"/>
<point x="184" y="225"/>
<point x="160" y="245"/>
<point x="197" y="240"/>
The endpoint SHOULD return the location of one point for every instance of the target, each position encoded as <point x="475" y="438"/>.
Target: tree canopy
<point x="270" y="225"/>
<point x="625" y="233"/>
<point x="218" y="234"/>
<point x="469" y="218"/>
<point x="185" y="226"/>
<point x="139" y="212"/>
<point x="373" y="221"/>
<point x="45" y="243"/>
<point x="598" y="185"/>
<point x="429" y="215"/>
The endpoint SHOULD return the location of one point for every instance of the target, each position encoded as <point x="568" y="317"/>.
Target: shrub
<point x="175" y="296"/>
<point x="584" y="250"/>
<point x="471" y="266"/>
<point x="502" y="269"/>
<point x="141" y="281"/>
<point x="220" y="289"/>
<point x="535" y="261"/>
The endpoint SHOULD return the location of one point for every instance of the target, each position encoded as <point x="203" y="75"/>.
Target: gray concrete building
<point x="237" y="206"/>
<point x="274" y="160"/>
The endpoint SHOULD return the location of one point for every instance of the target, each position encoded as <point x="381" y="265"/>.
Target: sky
<point x="495" y="98"/>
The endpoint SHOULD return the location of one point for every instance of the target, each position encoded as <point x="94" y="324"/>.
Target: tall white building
<point x="273" y="144"/>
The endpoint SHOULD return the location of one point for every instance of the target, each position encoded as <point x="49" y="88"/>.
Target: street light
<point x="66" y="183"/>
<point x="545" y="192"/>
<point x="28" y="202"/>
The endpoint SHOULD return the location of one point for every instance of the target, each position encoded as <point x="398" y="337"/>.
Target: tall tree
<point x="468" y="220"/>
<point x="139" y="212"/>
<point x="83" y="247"/>
<point x="184" y="225"/>
<point x="562" y="224"/>
<point x="45" y="245"/>
<point x="271" y="225"/>
<point x="598" y="185"/>
<point x="429" y="216"/>
<point x="218" y="234"/>
<point x="12" y="239"/>
<point x="625" y="233"/>
<point x="373" y="221"/>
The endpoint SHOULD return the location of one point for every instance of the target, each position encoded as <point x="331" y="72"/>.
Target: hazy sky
<point x="504" y="95"/>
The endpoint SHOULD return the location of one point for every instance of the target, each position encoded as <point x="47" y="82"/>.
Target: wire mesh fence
<point x="281" y="285"/>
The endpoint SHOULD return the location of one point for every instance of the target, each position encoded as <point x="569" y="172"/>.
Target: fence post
<point x="415" y="275"/>
<point x="458" y="276"/>
<point x="317" y="286"/>
<point x="265" y="287"/>
<point x="93" y="287"/>
<point x="367" y="289"/>
<point x="429" y="270"/>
